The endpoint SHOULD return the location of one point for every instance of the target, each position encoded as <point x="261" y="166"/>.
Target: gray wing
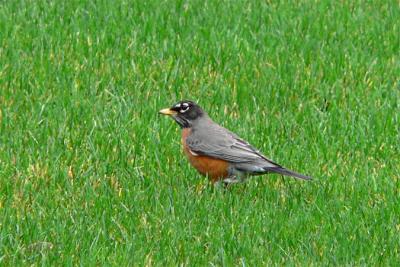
<point x="218" y="142"/>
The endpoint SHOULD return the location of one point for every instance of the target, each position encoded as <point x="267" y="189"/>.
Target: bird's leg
<point x="232" y="180"/>
<point x="219" y="184"/>
<point x="225" y="183"/>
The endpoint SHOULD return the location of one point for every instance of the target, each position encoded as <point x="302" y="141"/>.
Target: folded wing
<point x="220" y="143"/>
<point x="225" y="145"/>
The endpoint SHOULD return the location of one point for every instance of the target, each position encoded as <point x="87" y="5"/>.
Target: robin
<point x="215" y="151"/>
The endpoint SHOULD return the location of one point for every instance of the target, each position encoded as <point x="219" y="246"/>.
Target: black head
<point x="184" y="112"/>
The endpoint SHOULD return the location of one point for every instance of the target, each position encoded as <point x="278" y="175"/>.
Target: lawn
<point x="91" y="175"/>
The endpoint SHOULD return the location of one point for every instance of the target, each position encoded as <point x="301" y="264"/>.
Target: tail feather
<point x="287" y="172"/>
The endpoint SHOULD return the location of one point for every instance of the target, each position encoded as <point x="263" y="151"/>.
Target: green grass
<point x="91" y="175"/>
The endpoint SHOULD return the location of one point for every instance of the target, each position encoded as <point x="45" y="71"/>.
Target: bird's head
<point x="184" y="112"/>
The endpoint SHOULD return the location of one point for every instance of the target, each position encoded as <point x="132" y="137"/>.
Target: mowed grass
<point x="90" y="174"/>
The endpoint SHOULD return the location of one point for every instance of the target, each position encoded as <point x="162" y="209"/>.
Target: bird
<point x="218" y="153"/>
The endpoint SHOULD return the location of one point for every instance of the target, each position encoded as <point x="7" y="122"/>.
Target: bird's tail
<point x="287" y="172"/>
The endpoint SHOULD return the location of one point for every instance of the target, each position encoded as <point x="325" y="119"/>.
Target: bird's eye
<point x="184" y="108"/>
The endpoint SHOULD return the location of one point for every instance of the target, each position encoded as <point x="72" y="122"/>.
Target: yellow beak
<point x="167" y="111"/>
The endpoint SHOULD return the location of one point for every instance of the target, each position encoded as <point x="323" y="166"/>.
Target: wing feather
<point x="215" y="141"/>
<point x="220" y="143"/>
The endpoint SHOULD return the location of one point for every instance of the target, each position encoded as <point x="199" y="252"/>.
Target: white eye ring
<point x="184" y="108"/>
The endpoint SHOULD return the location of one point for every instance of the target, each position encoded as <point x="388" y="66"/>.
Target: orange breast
<point x="214" y="169"/>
